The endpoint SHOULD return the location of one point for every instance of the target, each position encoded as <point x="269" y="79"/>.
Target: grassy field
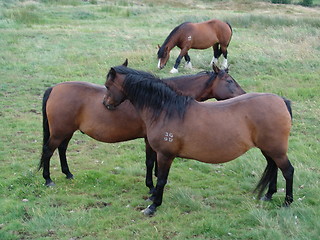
<point x="275" y="48"/>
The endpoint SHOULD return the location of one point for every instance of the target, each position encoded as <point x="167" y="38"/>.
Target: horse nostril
<point x="110" y="107"/>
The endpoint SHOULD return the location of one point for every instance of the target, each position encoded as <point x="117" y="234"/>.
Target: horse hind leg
<point x="45" y="164"/>
<point x="63" y="158"/>
<point x="288" y="172"/>
<point x="272" y="179"/>
<point x="47" y="152"/>
<point x="269" y="178"/>
<point x="188" y="61"/>
<point x="224" y="51"/>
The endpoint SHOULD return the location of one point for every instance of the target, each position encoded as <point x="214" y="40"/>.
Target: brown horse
<point x="201" y="35"/>
<point x="211" y="132"/>
<point x="64" y="113"/>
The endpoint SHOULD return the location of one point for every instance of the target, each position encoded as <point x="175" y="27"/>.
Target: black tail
<point x="288" y="104"/>
<point x="266" y="178"/>
<point x="45" y="125"/>
<point x="231" y="32"/>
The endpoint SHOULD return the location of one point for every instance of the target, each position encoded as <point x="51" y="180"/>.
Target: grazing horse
<point x="64" y="113"/>
<point x="213" y="33"/>
<point x="211" y="132"/>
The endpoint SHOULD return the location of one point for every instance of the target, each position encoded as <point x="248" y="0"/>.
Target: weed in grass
<point x="28" y="14"/>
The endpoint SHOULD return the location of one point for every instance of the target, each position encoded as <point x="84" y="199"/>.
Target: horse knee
<point x="161" y="183"/>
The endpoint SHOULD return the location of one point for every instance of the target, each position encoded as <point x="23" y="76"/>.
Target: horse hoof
<point x="174" y="70"/>
<point x="148" y="211"/>
<point x="265" y="199"/>
<point x="188" y="65"/>
<point x="50" y="184"/>
<point x="70" y="176"/>
<point x="286" y="205"/>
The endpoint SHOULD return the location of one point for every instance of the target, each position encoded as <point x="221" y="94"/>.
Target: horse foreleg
<point x="183" y="52"/>
<point x="176" y="65"/>
<point x="151" y="160"/>
<point x="63" y="158"/>
<point x="164" y="164"/>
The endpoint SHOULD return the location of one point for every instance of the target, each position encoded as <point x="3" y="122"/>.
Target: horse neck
<point x="193" y="86"/>
<point x="171" y="42"/>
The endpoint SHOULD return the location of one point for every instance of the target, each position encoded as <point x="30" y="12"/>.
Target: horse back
<point x="217" y="132"/>
<point x="205" y="34"/>
<point x="264" y="116"/>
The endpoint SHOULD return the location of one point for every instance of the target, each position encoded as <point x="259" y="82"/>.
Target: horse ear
<point x="111" y="74"/>
<point x="125" y="62"/>
<point x="159" y="46"/>
<point x="215" y="68"/>
<point x="227" y="69"/>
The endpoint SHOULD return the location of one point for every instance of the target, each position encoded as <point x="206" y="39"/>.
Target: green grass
<point x="274" y="48"/>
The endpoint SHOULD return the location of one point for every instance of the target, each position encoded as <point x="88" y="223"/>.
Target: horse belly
<point x="112" y="126"/>
<point x="211" y="140"/>
<point x="216" y="150"/>
<point x="204" y="41"/>
<point x="203" y="37"/>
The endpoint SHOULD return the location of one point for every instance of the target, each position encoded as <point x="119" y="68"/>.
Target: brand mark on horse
<point x="168" y="137"/>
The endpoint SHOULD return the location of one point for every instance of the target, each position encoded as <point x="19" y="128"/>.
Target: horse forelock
<point x="155" y="95"/>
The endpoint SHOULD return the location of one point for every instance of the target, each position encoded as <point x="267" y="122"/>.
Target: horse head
<point x="114" y="95"/>
<point x="163" y="56"/>
<point x="224" y="85"/>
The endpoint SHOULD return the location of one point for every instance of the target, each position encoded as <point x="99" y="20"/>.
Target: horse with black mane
<point x="213" y="33"/>
<point x="211" y="132"/>
<point x="64" y="112"/>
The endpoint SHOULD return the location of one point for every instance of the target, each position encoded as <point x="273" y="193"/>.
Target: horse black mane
<point x="145" y="90"/>
<point x="162" y="48"/>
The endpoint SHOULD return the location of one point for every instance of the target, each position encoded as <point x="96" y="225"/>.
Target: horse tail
<point x="266" y="177"/>
<point x="231" y="32"/>
<point x="288" y="104"/>
<point x="45" y="124"/>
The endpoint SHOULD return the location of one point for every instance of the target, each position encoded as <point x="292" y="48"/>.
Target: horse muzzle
<point x="160" y="66"/>
<point x="108" y="106"/>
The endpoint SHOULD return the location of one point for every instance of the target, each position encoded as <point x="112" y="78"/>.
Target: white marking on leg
<point x="188" y="65"/>
<point x="214" y="61"/>
<point x="224" y="64"/>
<point x="174" y="70"/>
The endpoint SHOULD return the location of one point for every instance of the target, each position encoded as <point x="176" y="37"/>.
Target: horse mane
<point x="145" y="90"/>
<point x="162" y="48"/>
